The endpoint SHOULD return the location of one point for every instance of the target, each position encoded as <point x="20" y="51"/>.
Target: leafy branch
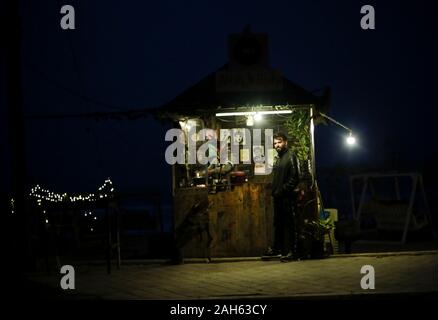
<point x="298" y="126"/>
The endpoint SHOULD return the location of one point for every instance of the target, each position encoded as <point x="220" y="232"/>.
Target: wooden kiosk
<point x="233" y="217"/>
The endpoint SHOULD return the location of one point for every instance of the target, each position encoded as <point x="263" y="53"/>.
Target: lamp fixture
<point x="351" y="140"/>
<point x="251" y="113"/>
<point x="258" y="116"/>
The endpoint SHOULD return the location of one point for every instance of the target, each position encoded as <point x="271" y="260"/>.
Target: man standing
<point x="284" y="184"/>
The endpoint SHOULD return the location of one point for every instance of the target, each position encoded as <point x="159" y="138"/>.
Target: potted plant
<point x="312" y="237"/>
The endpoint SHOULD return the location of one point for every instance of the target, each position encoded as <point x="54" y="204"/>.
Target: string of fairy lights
<point x="89" y="214"/>
<point x="12" y="205"/>
<point x="43" y="196"/>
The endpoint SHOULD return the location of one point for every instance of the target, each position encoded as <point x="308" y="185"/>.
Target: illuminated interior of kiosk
<point x="234" y="126"/>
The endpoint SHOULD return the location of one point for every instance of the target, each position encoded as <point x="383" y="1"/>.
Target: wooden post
<point x="312" y="145"/>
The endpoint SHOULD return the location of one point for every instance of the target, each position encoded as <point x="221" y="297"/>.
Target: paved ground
<point x="397" y="273"/>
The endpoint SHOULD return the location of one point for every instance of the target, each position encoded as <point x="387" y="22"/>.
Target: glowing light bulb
<point x="258" y="117"/>
<point x="351" y="140"/>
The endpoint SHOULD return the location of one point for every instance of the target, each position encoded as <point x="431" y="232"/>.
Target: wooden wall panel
<point x="239" y="221"/>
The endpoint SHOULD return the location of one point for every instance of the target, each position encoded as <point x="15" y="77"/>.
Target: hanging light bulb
<point x="351" y="140"/>
<point x="258" y="117"/>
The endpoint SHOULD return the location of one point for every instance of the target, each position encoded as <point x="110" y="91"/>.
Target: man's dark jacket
<point x="285" y="175"/>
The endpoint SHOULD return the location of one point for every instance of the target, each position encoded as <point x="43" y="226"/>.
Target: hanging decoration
<point x="40" y="195"/>
<point x="12" y="205"/>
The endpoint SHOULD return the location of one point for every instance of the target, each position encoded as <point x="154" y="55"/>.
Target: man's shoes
<point x="289" y="257"/>
<point x="271" y="254"/>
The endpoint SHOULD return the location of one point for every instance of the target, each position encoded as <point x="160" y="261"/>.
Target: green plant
<point x="298" y="128"/>
<point x="326" y="225"/>
<point x="317" y="229"/>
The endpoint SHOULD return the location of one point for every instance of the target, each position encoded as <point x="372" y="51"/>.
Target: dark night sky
<point x="134" y="54"/>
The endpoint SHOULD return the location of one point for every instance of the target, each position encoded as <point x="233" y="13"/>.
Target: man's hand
<point x="300" y="195"/>
<point x="301" y="191"/>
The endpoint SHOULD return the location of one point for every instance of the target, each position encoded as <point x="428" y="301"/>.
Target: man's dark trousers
<point x="284" y="224"/>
